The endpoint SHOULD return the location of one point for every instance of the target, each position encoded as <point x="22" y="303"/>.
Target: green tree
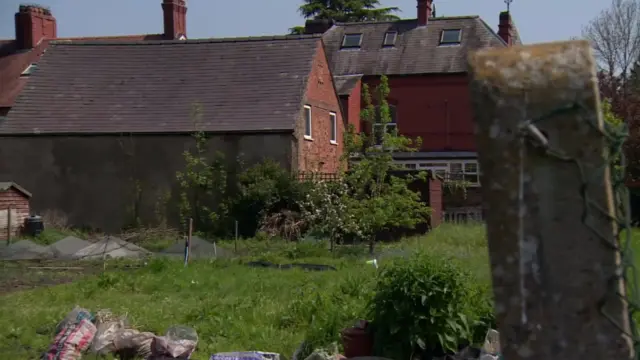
<point x="370" y="198"/>
<point x="345" y="11"/>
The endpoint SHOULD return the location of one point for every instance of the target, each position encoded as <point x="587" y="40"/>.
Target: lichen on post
<point x="549" y="205"/>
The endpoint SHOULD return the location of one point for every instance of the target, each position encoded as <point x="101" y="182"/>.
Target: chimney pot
<point x="175" y="19"/>
<point x="425" y="11"/>
<point x="33" y="24"/>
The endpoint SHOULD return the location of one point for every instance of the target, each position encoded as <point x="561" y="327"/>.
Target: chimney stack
<point x="425" y="11"/>
<point x="505" y="28"/>
<point x="33" y="24"/>
<point x="175" y="19"/>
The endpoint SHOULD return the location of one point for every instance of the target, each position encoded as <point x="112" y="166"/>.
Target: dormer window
<point x="390" y="38"/>
<point x="451" y="37"/>
<point x="29" y="70"/>
<point x="352" y="41"/>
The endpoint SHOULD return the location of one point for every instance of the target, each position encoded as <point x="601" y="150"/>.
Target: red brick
<point x="436" y="108"/>
<point x="319" y="154"/>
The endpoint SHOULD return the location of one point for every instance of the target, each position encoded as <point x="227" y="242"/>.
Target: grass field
<point x="232" y="306"/>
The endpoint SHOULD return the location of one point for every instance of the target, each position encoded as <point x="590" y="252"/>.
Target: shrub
<point x="426" y="306"/>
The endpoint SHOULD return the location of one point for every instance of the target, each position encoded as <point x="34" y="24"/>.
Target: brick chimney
<point x="33" y="24"/>
<point x="175" y="19"/>
<point x="317" y="26"/>
<point x="505" y="28"/>
<point x="425" y="11"/>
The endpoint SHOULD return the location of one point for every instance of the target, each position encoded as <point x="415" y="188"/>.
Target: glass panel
<point x="352" y="40"/>
<point x="455" y="167"/>
<point x="332" y="118"/>
<point x="471" y="167"/>
<point x="307" y="121"/>
<point x="451" y="36"/>
<point x="390" y="38"/>
<point x="471" y="178"/>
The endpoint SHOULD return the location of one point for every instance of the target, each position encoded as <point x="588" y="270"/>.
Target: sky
<point x="537" y="20"/>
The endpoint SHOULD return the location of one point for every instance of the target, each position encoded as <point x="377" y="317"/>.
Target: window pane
<point x="390" y="38"/>
<point x="471" y="167"/>
<point x="307" y="121"/>
<point x="450" y="36"/>
<point x="352" y="40"/>
<point x="471" y="178"/>
<point x="455" y="167"/>
<point x="332" y="119"/>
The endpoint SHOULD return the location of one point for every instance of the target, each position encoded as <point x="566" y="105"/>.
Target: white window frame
<point x="308" y="121"/>
<point x="333" y="128"/>
<point x="443" y="167"/>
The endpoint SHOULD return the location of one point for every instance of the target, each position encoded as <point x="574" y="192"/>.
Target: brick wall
<point x="351" y="106"/>
<point x="318" y="153"/>
<point x="19" y="205"/>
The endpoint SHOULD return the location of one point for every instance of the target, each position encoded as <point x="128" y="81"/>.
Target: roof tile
<point x="416" y="51"/>
<point x="240" y="84"/>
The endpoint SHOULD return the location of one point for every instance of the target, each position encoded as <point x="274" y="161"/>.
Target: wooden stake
<point x="235" y="243"/>
<point x="551" y="265"/>
<point x="187" y="245"/>
<point x="9" y="229"/>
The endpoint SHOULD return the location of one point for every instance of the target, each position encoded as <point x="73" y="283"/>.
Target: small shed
<point x="14" y="209"/>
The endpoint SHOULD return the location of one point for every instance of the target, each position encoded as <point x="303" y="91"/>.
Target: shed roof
<point x="238" y="84"/>
<point x="6" y="185"/>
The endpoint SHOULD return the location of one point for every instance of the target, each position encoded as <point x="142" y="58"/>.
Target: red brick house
<point x="425" y="61"/>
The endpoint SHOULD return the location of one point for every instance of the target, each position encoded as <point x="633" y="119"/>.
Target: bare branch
<point x="615" y="36"/>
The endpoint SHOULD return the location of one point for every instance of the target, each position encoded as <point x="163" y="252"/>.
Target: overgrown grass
<point x="233" y="307"/>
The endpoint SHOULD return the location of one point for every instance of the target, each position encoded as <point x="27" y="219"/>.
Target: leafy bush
<point x="426" y="306"/>
<point x="268" y="200"/>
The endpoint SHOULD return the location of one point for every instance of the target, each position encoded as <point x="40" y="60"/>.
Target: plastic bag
<point x="130" y="343"/>
<point x="107" y="326"/>
<point x="71" y="341"/>
<point x="179" y="343"/>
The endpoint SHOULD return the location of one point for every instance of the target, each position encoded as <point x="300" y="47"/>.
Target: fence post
<point x="546" y="187"/>
<point x="9" y="227"/>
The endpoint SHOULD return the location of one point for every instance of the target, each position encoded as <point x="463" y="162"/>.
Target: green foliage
<point x="427" y="305"/>
<point x="265" y="189"/>
<point x="345" y="11"/>
<point x="202" y="183"/>
<point x="614" y="125"/>
<point x="379" y="199"/>
<point x="368" y="198"/>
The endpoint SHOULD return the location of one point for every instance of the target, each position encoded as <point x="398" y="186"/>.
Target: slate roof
<point x="239" y="84"/>
<point x="416" y="51"/>
<point x="345" y="83"/>
<point x="14" y="61"/>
